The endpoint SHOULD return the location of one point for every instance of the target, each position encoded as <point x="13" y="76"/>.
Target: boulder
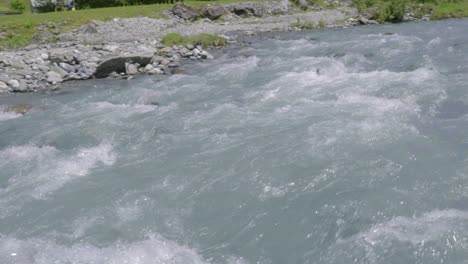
<point x="3" y="87"/>
<point x="131" y="69"/>
<point x="53" y="77"/>
<point x="90" y="29"/>
<point x="184" y="11"/>
<point x="62" y="56"/>
<point x="14" y="84"/>
<point x="18" y="86"/>
<point x="117" y="64"/>
<point x="213" y="12"/>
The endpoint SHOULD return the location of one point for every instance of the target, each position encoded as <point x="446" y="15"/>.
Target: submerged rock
<point x="19" y="109"/>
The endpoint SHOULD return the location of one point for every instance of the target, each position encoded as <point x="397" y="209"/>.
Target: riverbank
<point x="125" y="47"/>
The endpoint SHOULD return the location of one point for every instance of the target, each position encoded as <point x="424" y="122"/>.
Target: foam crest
<point x="8" y="115"/>
<point x="126" y="108"/>
<point x="153" y="250"/>
<point x="47" y="169"/>
<point x="427" y="227"/>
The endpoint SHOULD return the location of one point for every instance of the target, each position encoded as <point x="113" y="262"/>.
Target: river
<point x="333" y="146"/>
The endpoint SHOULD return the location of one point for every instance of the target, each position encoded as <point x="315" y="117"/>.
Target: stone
<point x="3" y="87"/>
<point x="67" y="37"/>
<point x="185" y="12"/>
<point x="156" y="59"/>
<point x="110" y="48"/>
<point x="66" y="67"/>
<point x="190" y="46"/>
<point x="183" y="51"/>
<point x="90" y="29"/>
<point x="53" y="77"/>
<point x="149" y="67"/>
<point x="213" y="12"/>
<point x="155" y="71"/>
<point x="44" y="56"/>
<point x="165" y="51"/>
<point x="165" y="62"/>
<point x="62" y="56"/>
<point x="14" y="84"/>
<point x="117" y="64"/>
<point x="19" y="109"/>
<point x="173" y="65"/>
<point x="131" y="69"/>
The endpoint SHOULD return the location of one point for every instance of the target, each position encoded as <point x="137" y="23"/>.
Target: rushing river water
<point x="339" y="146"/>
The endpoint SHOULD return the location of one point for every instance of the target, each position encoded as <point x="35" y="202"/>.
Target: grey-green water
<point x="341" y="146"/>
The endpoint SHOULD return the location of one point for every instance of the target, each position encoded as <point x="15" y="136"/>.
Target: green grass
<point x="205" y="40"/>
<point x="18" y="30"/>
<point x="448" y="10"/>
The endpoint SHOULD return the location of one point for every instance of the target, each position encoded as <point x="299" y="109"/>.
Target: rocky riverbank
<point x="123" y="48"/>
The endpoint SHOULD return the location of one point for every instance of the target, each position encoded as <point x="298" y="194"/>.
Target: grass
<point x="205" y="40"/>
<point x="450" y="9"/>
<point x="308" y="25"/>
<point x="18" y="30"/>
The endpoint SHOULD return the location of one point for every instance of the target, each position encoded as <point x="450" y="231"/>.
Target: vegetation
<point x="205" y="40"/>
<point x="18" y="30"/>
<point x="449" y="9"/>
<point x="308" y="25"/>
<point x="395" y="10"/>
<point x="17" y="5"/>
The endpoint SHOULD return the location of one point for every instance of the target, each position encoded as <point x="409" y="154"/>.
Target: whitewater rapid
<point x="335" y="146"/>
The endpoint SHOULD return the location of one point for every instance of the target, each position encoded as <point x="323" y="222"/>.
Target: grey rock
<point x="53" y="77"/>
<point x="90" y="29"/>
<point x="149" y="67"/>
<point x="4" y="78"/>
<point x="190" y="46"/>
<point x="14" y="84"/>
<point x="156" y="59"/>
<point x="155" y="71"/>
<point x="66" y="67"/>
<point x="165" y="51"/>
<point x="117" y="64"/>
<point x="44" y="56"/>
<point x="185" y="12"/>
<point x="63" y="74"/>
<point x="131" y="69"/>
<point x="213" y="12"/>
<point x="165" y="62"/>
<point x="3" y="87"/>
<point x="67" y="37"/>
<point x="66" y="56"/>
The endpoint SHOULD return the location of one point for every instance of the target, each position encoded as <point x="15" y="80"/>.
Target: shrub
<point x="396" y="10"/>
<point x="17" y="5"/>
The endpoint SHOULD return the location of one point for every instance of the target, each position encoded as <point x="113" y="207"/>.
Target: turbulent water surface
<point x="341" y="146"/>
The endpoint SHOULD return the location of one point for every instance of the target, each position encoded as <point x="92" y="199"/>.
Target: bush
<point x="17" y="5"/>
<point x="396" y="10"/>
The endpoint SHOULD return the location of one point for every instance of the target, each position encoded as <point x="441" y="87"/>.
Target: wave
<point x="427" y="227"/>
<point x="154" y="250"/>
<point x="45" y="169"/>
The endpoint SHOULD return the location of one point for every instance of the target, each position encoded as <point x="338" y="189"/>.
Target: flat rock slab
<point x="117" y="64"/>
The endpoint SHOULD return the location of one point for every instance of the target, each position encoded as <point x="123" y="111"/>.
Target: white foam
<point x="7" y="115"/>
<point x="153" y="250"/>
<point x="427" y="227"/>
<point x="47" y="169"/>
<point x="126" y="108"/>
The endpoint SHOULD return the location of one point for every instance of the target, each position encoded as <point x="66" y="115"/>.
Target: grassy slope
<point x="447" y="10"/>
<point x="19" y="29"/>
